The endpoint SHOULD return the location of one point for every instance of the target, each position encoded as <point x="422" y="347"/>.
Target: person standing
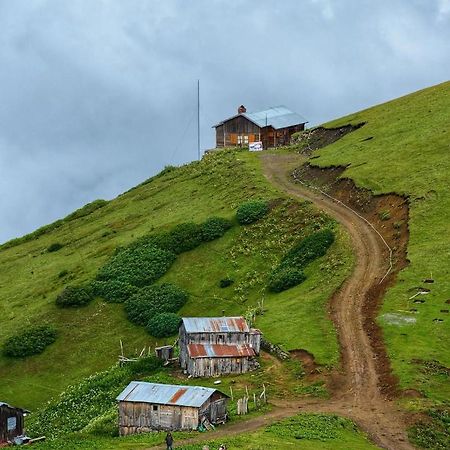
<point x="169" y="441"/>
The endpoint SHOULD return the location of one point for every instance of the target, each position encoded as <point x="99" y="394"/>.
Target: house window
<point x="155" y="407"/>
<point x="242" y="140"/>
<point x="11" y="423"/>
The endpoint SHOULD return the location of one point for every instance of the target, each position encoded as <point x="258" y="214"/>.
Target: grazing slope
<point x="404" y="148"/>
<point x="35" y="270"/>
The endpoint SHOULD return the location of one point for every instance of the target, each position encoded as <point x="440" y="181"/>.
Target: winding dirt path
<point x="357" y="393"/>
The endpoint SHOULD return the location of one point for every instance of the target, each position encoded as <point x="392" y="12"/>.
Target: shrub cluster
<point x="30" y="342"/>
<point x="113" y="291"/>
<point x="164" y="324"/>
<point x="284" y="278"/>
<point x="73" y="296"/>
<point x="289" y="272"/>
<point x="225" y="282"/>
<point x="137" y="265"/>
<point x="214" y="228"/>
<point x="152" y="300"/>
<point x="251" y="211"/>
<point x="308" y="249"/>
<point x="55" y="247"/>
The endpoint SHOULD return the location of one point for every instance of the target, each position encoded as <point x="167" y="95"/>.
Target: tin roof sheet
<point x="219" y="351"/>
<point x="13" y="407"/>
<point x="276" y="117"/>
<point x="165" y="394"/>
<point x="215" y="325"/>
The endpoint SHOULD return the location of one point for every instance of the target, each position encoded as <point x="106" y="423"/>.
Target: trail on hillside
<point x="357" y="392"/>
<point x="356" y="388"/>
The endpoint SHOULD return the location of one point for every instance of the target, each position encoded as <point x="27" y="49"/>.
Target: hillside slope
<point x="404" y="147"/>
<point x="88" y="337"/>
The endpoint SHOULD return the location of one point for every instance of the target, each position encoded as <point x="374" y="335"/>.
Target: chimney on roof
<point x="242" y="109"/>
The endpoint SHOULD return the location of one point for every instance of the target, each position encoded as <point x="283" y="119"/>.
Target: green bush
<point x="73" y="296"/>
<point x="29" y="342"/>
<point x="308" y="249"/>
<point x="164" y="325"/>
<point x="284" y="278"/>
<point x="225" y="282"/>
<point x="152" y="300"/>
<point x="251" y="211"/>
<point x="182" y="238"/>
<point x="214" y="228"/>
<point x="384" y="215"/>
<point x="289" y="272"/>
<point x="55" y="247"/>
<point x="138" y="265"/>
<point x="113" y="291"/>
<point x="143" y="366"/>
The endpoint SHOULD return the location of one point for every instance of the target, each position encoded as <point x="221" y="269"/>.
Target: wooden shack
<point x="145" y="407"/>
<point x="273" y="127"/>
<point x="213" y="346"/>
<point x="11" y="422"/>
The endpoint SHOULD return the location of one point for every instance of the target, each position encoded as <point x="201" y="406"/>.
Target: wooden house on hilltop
<point x="145" y="407"/>
<point x="11" y="422"/>
<point x="212" y="346"/>
<point x="273" y="127"/>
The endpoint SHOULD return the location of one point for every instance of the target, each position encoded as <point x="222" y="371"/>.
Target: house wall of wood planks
<point x="139" y="417"/>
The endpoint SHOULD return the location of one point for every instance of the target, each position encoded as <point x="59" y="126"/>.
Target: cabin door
<point x="217" y="411"/>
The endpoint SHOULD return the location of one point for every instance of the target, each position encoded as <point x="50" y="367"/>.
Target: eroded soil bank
<point x="389" y="215"/>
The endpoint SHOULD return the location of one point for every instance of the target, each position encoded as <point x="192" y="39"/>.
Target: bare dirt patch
<point x="319" y="137"/>
<point x="308" y="361"/>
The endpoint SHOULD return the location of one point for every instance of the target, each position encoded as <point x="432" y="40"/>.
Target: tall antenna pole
<point x="198" y="119"/>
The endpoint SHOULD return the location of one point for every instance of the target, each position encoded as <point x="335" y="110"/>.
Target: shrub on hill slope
<point x="32" y="341"/>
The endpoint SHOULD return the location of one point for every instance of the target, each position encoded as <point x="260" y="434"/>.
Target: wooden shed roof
<point x="215" y="324"/>
<point x="166" y="394"/>
<point x="219" y="351"/>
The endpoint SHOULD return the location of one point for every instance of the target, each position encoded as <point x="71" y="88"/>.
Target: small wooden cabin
<point x="145" y="407"/>
<point x="11" y="422"/>
<point x="273" y="127"/>
<point x="213" y="346"/>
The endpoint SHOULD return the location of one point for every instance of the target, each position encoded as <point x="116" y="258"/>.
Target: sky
<point x="98" y="95"/>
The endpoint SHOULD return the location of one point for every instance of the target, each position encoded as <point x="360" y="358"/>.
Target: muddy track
<point x="358" y="391"/>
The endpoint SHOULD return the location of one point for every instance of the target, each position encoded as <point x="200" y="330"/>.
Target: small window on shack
<point x="11" y="423"/>
<point x="154" y="407"/>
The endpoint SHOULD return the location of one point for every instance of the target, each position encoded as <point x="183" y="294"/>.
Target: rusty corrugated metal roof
<point x="215" y="325"/>
<point x="219" y="351"/>
<point x="166" y="394"/>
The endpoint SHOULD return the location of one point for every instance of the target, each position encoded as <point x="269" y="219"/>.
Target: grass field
<point x="305" y="431"/>
<point x="88" y="337"/>
<point x="404" y="147"/>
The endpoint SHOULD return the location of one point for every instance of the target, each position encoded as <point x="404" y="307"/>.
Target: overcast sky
<point x="97" y="95"/>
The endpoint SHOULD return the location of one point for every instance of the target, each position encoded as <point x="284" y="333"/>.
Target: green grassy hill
<point x="88" y="337"/>
<point x="409" y="153"/>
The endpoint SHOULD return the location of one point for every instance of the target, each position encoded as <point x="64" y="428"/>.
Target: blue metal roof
<point x="165" y="394"/>
<point x="215" y="324"/>
<point x="276" y="117"/>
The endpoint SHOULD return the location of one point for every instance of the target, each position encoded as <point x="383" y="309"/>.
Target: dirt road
<point x="357" y="393"/>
